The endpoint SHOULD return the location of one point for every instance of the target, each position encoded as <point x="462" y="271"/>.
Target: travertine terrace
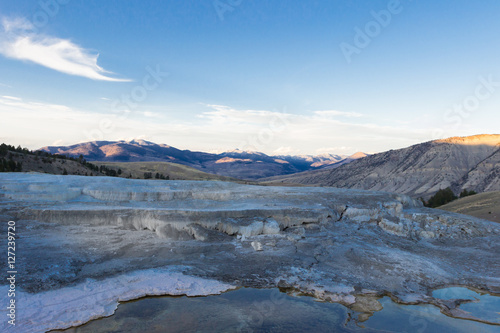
<point x="86" y="243"/>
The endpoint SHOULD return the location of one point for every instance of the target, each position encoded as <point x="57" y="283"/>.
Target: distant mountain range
<point x="236" y="163"/>
<point x="471" y="163"/>
<point x="20" y="159"/>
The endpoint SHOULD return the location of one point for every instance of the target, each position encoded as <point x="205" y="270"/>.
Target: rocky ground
<point x="79" y="237"/>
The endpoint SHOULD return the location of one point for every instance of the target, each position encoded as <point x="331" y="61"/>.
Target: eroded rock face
<point x="420" y="170"/>
<point x="335" y="244"/>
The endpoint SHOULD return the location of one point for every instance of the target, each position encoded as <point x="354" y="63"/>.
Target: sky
<point x="280" y="77"/>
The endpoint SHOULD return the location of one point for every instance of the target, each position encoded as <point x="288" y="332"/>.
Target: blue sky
<point x="282" y="77"/>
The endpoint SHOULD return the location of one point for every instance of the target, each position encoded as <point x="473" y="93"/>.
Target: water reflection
<point x="421" y="318"/>
<point x="268" y="310"/>
<point x="485" y="307"/>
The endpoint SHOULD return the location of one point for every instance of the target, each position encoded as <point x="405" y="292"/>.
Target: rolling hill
<point x="236" y="163"/>
<point x="22" y="160"/>
<point x="171" y="171"/>
<point x="421" y="170"/>
<point x="483" y="205"/>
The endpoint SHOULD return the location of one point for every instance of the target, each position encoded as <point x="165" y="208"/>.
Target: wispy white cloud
<point x="12" y="98"/>
<point x="221" y="114"/>
<point x="335" y="113"/>
<point x="221" y="128"/>
<point x="12" y="25"/>
<point x="284" y="151"/>
<point x="19" y="41"/>
<point x="270" y="131"/>
<point x="333" y="150"/>
<point x="150" y="114"/>
<point x="17" y="102"/>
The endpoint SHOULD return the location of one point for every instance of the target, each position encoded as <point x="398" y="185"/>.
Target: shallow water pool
<point x="486" y="307"/>
<point x="269" y="310"/>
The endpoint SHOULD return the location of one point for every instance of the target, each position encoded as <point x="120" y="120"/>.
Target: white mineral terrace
<point x="86" y="243"/>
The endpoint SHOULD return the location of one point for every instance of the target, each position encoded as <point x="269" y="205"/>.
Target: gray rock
<point x="334" y="244"/>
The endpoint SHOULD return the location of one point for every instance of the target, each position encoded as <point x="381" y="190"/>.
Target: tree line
<point x="444" y="196"/>
<point x="149" y="175"/>
<point x="7" y="163"/>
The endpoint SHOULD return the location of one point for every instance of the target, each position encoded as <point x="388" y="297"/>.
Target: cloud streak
<point x="19" y="41"/>
<point x="12" y="98"/>
<point x="335" y="113"/>
<point x="216" y="128"/>
<point x="305" y="132"/>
